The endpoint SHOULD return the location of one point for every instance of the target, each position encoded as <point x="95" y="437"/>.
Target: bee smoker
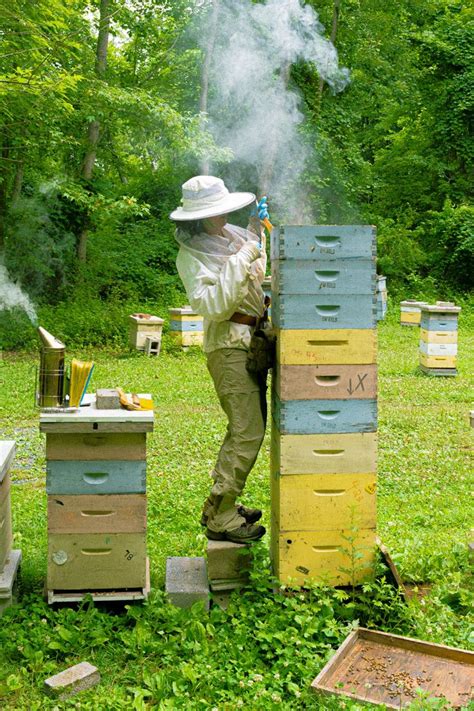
<point x="51" y="380"/>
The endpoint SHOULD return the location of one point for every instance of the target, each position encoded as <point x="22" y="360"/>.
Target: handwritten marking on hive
<point x="360" y="384"/>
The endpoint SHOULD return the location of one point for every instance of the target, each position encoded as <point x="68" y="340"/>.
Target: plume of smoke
<point x="252" y="110"/>
<point x="11" y="295"/>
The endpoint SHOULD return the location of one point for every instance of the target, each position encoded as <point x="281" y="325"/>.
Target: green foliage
<point x="265" y="649"/>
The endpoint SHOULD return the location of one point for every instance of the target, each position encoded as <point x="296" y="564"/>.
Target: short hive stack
<point x="144" y="328"/>
<point x="324" y="407"/>
<point x="186" y="327"/>
<point x="96" y="486"/>
<point x="410" y="312"/>
<point x="381" y="297"/>
<point x="439" y="339"/>
<point x="9" y="559"/>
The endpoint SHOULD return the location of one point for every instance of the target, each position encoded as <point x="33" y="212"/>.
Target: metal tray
<point x="382" y="668"/>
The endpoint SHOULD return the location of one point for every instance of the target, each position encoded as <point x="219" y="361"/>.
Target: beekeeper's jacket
<point x="222" y="275"/>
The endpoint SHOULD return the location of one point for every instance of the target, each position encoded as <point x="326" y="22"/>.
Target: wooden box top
<point x="89" y="413"/>
<point x="381" y="668"/>
<point x="7" y="452"/>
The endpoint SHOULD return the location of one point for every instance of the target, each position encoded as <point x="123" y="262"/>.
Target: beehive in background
<point x="9" y="559"/>
<point x="410" y="312"/>
<point x="439" y="339"/>
<point x="324" y="403"/>
<point x="142" y="326"/>
<point x="96" y="486"/>
<point x="186" y="327"/>
<point x="382" y="297"/>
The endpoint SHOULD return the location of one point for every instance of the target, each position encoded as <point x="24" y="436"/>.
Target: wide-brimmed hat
<point x="207" y="196"/>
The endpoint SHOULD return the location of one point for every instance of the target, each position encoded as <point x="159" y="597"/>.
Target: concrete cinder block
<point x="71" y="681"/>
<point x="107" y="399"/>
<point x="229" y="562"/>
<point x="186" y="581"/>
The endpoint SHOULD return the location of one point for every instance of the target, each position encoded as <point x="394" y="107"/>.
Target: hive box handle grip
<point x="327" y="241"/>
<point x="327" y="380"/>
<point x="327" y="343"/>
<point x="98" y="513"/>
<point x="95" y="477"/>
<point x="94" y="441"/>
<point x="329" y="492"/>
<point x="96" y="551"/>
<point x="327" y="275"/>
<point x="328" y="414"/>
<point x="325" y="549"/>
<point x="328" y="452"/>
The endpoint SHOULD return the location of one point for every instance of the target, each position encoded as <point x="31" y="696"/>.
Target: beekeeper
<point x="222" y="267"/>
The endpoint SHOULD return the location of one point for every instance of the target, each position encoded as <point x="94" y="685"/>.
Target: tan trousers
<point x="243" y="398"/>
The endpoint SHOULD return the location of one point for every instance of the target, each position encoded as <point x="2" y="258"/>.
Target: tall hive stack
<point x="9" y="559"/>
<point x="186" y="327"/>
<point x="96" y="486"/>
<point x="439" y="339"/>
<point x="324" y="407"/>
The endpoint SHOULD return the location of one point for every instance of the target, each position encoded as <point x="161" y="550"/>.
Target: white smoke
<point x="251" y="109"/>
<point x="11" y="295"/>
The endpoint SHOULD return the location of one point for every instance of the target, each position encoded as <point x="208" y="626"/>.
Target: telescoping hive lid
<point x="441" y="307"/>
<point x="147" y="319"/>
<point x="7" y="452"/>
<point x="381" y="668"/>
<point x="184" y="311"/>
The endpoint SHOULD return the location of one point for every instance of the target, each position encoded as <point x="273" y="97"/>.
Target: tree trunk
<point x="266" y="172"/>
<point x="335" y="18"/>
<point x="18" y="181"/>
<point x="4" y="158"/>
<point x="93" y="131"/>
<point x="206" y="65"/>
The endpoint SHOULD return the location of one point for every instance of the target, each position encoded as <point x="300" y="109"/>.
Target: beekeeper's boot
<point x="250" y="515"/>
<point x="246" y="533"/>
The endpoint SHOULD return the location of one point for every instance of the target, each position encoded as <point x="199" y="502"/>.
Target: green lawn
<point x="265" y="649"/>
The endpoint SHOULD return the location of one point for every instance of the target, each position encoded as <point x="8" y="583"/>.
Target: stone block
<point x="107" y="399"/>
<point x="186" y="581"/>
<point x="8" y="580"/>
<point x="229" y="562"/>
<point x="71" y="681"/>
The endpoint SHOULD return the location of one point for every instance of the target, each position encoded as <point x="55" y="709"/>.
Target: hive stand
<point x="324" y="404"/>
<point x="9" y="559"/>
<point x="96" y="486"/>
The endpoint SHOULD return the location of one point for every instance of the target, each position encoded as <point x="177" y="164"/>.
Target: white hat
<point x="207" y="196"/>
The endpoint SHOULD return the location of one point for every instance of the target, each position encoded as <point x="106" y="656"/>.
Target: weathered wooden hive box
<point x="9" y="559"/>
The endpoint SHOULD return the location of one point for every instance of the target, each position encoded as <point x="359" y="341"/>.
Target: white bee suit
<point x="222" y="275"/>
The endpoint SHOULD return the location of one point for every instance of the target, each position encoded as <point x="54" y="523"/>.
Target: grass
<point x="263" y="652"/>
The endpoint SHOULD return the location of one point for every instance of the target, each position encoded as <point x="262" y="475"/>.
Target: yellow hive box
<point x="431" y="361"/>
<point x="323" y="502"/>
<point x="323" y="556"/>
<point x="332" y="346"/>
<point x="438" y="336"/>
<point x="354" y="453"/>
<point x="188" y="338"/>
<point x="410" y="317"/>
